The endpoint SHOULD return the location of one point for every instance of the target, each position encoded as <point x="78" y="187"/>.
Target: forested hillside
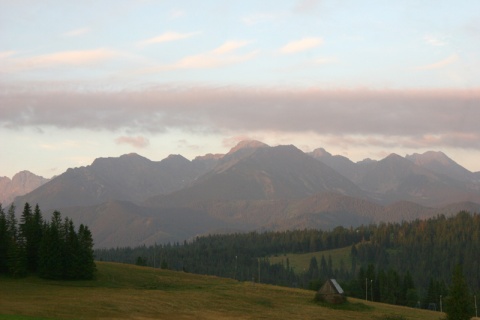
<point x="403" y="263"/>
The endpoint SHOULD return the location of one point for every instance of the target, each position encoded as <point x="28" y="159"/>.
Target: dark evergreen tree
<point x="86" y="259"/>
<point x="72" y="261"/>
<point x="36" y="230"/>
<point x="30" y="235"/>
<point x="409" y="295"/>
<point x="4" y="241"/>
<point x="458" y="305"/>
<point x="313" y="271"/>
<point x="323" y="268"/>
<point x="16" y="260"/>
<point x="52" y="249"/>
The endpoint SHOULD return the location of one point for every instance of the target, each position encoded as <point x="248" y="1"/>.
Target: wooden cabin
<point x="331" y="292"/>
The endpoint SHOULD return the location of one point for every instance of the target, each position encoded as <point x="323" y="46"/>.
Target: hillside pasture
<point x="130" y="292"/>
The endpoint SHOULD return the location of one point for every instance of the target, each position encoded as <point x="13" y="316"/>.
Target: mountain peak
<point x="175" y="158"/>
<point x="248" y="144"/>
<point x="428" y="157"/>
<point x="393" y="156"/>
<point x="439" y="162"/>
<point x="21" y="183"/>
<point x="320" y="152"/>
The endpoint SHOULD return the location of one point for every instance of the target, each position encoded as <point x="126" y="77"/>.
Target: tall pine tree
<point x="16" y="259"/>
<point x="4" y="241"/>
<point x="52" y="249"/>
<point x="458" y="305"/>
<point x="86" y="255"/>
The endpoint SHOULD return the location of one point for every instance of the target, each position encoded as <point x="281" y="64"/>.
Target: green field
<point x="300" y="262"/>
<point x="131" y="292"/>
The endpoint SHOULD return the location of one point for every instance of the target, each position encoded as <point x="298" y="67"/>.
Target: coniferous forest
<point x="409" y="263"/>
<point x="53" y="250"/>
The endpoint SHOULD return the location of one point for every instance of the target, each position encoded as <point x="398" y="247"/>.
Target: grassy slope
<point x="131" y="292"/>
<point x="301" y="262"/>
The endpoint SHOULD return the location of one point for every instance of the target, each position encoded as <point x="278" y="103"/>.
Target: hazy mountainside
<point x="20" y="184"/>
<point x="422" y="179"/>
<point x="396" y="178"/>
<point x="256" y="171"/>
<point x="132" y="200"/>
<point x="128" y="178"/>
<point x="440" y="163"/>
<point x="121" y="223"/>
<point x="341" y="164"/>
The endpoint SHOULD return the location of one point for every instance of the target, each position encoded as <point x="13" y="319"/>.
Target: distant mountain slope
<point x="254" y="171"/>
<point x="129" y="178"/>
<point x="430" y="179"/>
<point x="121" y="223"/>
<point x="20" y="184"/>
<point x="341" y="164"/>
<point x="440" y="163"/>
<point x="396" y="178"/>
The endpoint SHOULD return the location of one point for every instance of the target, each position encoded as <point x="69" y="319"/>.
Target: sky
<point x="86" y="79"/>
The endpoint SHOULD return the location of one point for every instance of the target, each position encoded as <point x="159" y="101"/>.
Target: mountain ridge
<point x="21" y="183"/>
<point x="132" y="200"/>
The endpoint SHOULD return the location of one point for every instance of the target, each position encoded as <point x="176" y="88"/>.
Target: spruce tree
<point x="35" y="238"/>
<point x="86" y="254"/>
<point x="52" y="249"/>
<point x="72" y="265"/>
<point x="4" y="241"/>
<point x="458" y="305"/>
<point x="28" y="235"/>
<point x="16" y="261"/>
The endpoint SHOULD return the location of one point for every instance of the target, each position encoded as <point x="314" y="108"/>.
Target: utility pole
<point x="258" y="270"/>
<point x="371" y="289"/>
<point x="236" y="259"/>
<point x="366" y="289"/>
<point x="154" y="253"/>
<point x="476" y="313"/>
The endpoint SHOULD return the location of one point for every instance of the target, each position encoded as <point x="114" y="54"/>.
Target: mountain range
<point x="131" y="200"/>
<point x="20" y="184"/>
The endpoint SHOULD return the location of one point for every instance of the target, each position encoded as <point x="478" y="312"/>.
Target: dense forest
<point x="53" y="250"/>
<point x="409" y="263"/>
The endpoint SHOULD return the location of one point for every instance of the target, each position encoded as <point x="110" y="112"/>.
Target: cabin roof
<point x="337" y="286"/>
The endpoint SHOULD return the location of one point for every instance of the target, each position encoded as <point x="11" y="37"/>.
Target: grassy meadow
<point x="300" y="262"/>
<point x="130" y="292"/>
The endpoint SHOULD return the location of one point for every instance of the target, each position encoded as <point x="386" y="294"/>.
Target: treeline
<point x="243" y="256"/>
<point x="53" y="250"/>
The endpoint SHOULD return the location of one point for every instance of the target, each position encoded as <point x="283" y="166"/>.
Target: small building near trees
<point x="331" y="292"/>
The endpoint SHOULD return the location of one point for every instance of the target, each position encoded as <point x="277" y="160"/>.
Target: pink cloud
<point x="64" y="58"/>
<point x="301" y="45"/>
<point x="136" y="142"/>
<point x="77" y="32"/>
<point x="167" y="37"/>
<point x="221" y="56"/>
<point x="440" y="64"/>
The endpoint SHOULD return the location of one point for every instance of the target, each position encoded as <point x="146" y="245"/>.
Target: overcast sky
<point x="86" y="79"/>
